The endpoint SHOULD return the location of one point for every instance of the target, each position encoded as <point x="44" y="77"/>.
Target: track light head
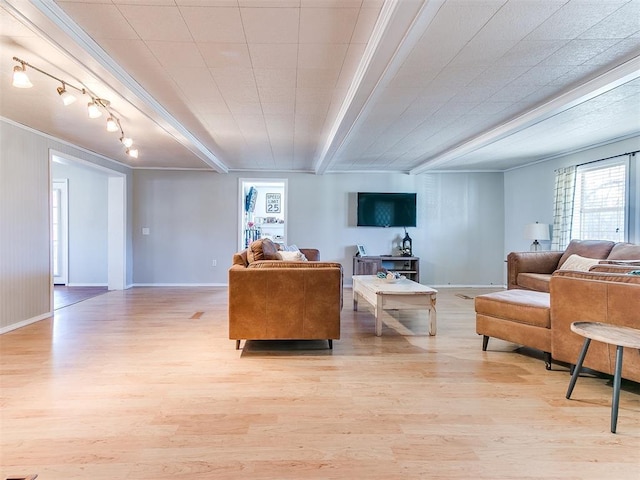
<point x="93" y="110"/>
<point x="67" y="98"/>
<point x="132" y="152"/>
<point x="20" y="77"/>
<point x="126" y="141"/>
<point x="112" y="124"/>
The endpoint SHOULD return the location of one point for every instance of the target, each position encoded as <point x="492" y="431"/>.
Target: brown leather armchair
<point x="283" y="300"/>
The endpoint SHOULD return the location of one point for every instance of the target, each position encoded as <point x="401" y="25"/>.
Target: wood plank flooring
<point x="63" y="296"/>
<point x="145" y="384"/>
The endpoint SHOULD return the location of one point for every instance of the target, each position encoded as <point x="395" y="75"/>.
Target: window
<point x="600" y="201"/>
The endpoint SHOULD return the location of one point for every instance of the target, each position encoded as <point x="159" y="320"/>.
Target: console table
<point x="370" y="265"/>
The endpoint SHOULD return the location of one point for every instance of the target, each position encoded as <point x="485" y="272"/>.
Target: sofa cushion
<point x="625" y="251"/>
<point x="534" y="281"/>
<point x="520" y="306"/>
<point x="296" y="256"/>
<point x="263" y="249"/>
<point x="599" y="249"/>
<point x="579" y="263"/>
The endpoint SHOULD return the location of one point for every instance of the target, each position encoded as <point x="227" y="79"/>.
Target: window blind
<point x="600" y="201"/>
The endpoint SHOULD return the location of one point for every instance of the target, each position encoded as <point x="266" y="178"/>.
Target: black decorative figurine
<point x="407" y="250"/>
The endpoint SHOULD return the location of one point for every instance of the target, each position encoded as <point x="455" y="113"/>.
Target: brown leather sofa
<point x="594" y="297"/>
<point x="542" y="319"/>
<point x="272" y="299"/>
<point x="533" y="270"/>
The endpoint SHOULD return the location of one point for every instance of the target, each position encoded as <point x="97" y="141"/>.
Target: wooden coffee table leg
<point x="432" y="316"/>
<point x="379" y="311"/>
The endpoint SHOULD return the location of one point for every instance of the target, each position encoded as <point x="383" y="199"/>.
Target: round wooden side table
<point x="614" y="335"/>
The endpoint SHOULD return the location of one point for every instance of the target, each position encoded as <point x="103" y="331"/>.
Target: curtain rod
<point x="608" y="158"/>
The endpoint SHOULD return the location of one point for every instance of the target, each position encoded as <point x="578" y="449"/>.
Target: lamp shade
<point x="536" y="231"/>
<point x="20" y="77"/>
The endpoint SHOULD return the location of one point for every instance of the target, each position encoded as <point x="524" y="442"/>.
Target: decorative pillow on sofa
<point x="292" y="256"/>
<point x="577" y="263"/>
<point x="263" y="249"/>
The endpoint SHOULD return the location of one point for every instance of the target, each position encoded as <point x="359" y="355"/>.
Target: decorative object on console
<point x="536" y="231"/>
<point x="361" y="251"/>
<point x="407" y="247"/>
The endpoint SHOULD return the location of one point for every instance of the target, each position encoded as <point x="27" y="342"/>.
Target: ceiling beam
<point x="400" y="25"/>
<point x="609" y="80"/>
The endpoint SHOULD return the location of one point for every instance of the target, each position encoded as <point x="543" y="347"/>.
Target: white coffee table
<point x="402" y="295"/>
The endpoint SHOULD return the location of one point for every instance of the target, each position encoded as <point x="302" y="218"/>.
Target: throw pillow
<point x="577" y="263"/>
<point x="263" y="249"/>
<point x="292" y="256"/>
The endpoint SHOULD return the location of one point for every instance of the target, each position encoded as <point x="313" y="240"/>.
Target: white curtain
<point x="563" y="207"/>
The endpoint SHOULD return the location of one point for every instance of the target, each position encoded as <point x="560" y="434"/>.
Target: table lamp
<point x="536" y="231"/>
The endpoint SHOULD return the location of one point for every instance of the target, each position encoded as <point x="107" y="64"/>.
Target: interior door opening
<point x="263" y="211"/>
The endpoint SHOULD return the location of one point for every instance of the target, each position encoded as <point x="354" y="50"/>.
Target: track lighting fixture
<point x="20" y="77"/>
<point x="94" y="107"/>
<point x="112" y="124"/>
<point x="93" y="110"/>
<point x="67" y="98"/>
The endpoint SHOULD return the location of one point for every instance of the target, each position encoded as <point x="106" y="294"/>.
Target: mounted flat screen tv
<point x="386" y="209"/>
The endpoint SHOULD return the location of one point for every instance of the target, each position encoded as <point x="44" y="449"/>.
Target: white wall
<point x="193" y="219"/>
<point x="528" y="192"/>
<point x="88" y="190"/>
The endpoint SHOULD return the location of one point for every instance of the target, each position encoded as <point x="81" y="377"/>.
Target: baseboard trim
<point x="24" y="323"/>
<point x="350" y="285"/>
<point x="86" y="284"/>
<point x="180" y="285"/>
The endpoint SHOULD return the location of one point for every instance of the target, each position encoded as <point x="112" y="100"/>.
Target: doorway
<point x="112" y="237"/>
<point x="263" y="211"/>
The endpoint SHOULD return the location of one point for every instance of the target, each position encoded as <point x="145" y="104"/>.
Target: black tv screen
<point x="386" y="209"/>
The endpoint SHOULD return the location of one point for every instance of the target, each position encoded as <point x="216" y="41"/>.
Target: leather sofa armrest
<point x="530" y="262"/>
<point x="612" y="268"/>
<point x="619" y="277"/>
<point x="312" y="254"/>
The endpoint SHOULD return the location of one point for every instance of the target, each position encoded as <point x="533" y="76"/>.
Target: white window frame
<point x="622" y="160"/>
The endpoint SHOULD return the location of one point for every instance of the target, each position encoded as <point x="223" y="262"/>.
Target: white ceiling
<point x="330" y="85"/>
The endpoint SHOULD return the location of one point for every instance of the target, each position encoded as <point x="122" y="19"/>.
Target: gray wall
<point x="467" y="222"/>
<point x="25" y="263"/>
<point x="87" y="223"/>
<point x="193" y="219"/>
<point x="528" y="192"/>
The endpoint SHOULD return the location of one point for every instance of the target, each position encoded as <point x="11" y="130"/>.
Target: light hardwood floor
<point x="145" y="384"/>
